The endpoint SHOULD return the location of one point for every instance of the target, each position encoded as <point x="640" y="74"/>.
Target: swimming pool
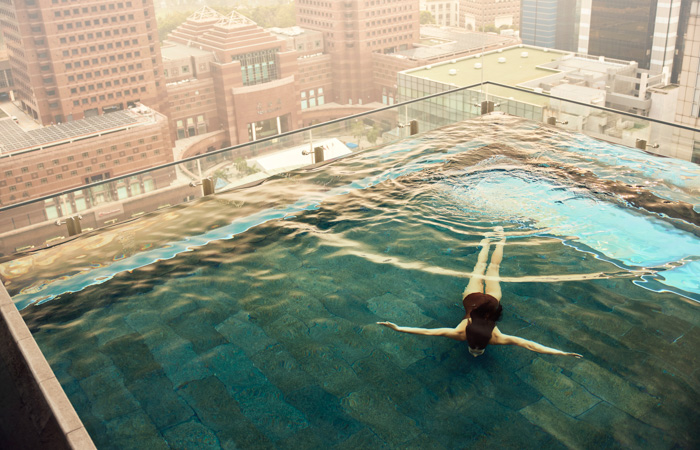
<point x="248" y="319"/>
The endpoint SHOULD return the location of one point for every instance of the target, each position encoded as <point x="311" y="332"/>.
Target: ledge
<point x="35" y="406"/>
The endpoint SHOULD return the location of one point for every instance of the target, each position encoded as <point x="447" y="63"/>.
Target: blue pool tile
<point x="197" y="327"/>
<point x="365" y="438"/>
<point x="379" y="372"/>
<point x="330" y="371"/>
<point x="219" y="411"/>
<point x="191" y="435"/>
<point x="155" y="394"/>
<point x="131" y="355"/>
<point x="564" y="428"/>
<point x="612" y="388"/>
<point x="560" y="390"/>
<point x="133" y="430"/>
<point x="282" y="369"/>
<point x="325" y="413"/>
<point x="381" y="415"/>
<point x="230" y="364"/>
<point x="239" y="329"/>
<point x="625" y="429"/>
<point x="394" y="309"/>
<point x="174" y="354"/>
<point x="267" y="409"/>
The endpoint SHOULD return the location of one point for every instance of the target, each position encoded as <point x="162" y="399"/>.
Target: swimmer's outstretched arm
<point x="498" y="338"/>
<point x="452" y="333"/>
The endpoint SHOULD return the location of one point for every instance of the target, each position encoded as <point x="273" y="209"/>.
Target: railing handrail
<point x="330" y="122"/>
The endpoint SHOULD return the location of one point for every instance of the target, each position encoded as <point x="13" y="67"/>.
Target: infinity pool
<point x="248" y="319"/>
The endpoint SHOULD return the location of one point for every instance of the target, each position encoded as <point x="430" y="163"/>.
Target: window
<point x="258" y="67"/>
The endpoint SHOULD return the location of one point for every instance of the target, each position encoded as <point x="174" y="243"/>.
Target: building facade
<point x="688" y="108"/>
<point x="355" y="29"/>
<point x="53" y="159"/>
<point x="476" y="15"/>
<point x="644" y="31"/>
<point x="445" y="12"/>
<point x="550" y="23"/>
<point x="225" y="65"/>
<point x="72" y="59"/>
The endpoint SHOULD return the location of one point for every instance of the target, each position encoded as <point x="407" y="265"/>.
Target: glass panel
<point x="273" y="153"/>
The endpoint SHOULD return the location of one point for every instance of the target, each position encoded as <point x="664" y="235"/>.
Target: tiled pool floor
<point x="278" y="347"/>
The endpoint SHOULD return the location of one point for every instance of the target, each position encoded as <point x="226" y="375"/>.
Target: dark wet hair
<point x="484" y="320"/>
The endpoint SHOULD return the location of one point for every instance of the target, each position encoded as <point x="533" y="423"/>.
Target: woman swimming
<point x="482" y="309"/>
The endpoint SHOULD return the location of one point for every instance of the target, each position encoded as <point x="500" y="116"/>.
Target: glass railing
<point x="53" y="219"/>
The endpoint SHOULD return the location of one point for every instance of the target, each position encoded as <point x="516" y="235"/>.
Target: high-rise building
<point x="72" y="60"/>
<point x="688" y="69"/>
<point x="353" y="30"/>
<point x="644" y="31"/>
<point x="445" y="12"/>
<point x="550" y="23"/>
<point x="478" y="14"/>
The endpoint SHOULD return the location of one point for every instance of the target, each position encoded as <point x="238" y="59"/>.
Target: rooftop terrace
<point x="506" y="67"/>
<point x="14" y="139"/>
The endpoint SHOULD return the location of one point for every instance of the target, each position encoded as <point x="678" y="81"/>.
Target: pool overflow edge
<point x="44" y="416"/>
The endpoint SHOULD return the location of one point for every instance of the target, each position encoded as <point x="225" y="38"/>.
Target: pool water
<point x="248" y="320"/>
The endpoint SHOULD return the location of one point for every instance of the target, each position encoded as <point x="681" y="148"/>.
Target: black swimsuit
<point x="474" y="300"/>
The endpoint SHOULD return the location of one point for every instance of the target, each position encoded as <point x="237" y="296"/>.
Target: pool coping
<point x="45" y="408"/>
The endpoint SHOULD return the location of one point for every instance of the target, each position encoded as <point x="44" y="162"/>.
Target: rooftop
<point x="507" y="67"/>
<point x="511" y="66"/>
<point x="14" y="139"/>
<point x="172" y="51"/>
<point x="439" y="41"/>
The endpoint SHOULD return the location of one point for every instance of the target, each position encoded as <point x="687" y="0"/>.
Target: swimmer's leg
<point x="493" y="282"/>
<point x="476" y="283"/>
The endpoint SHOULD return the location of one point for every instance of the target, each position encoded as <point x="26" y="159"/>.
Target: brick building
<point x="52" y="159"/>
<point x="355" y="29"/>
<point x="73" y="59"/>
<point x="217" y="66"/>
<point x="477" y="14"/>
<point x="445" y="12"/>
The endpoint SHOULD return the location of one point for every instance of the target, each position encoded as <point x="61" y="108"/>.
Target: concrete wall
<point x="35" y="412"/>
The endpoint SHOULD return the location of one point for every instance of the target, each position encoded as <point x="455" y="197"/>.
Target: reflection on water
<point x="256" y="329"/>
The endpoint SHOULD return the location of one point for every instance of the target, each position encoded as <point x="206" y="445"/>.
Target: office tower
<point x="353" y="30"/>
<point x="445" y="12"/>
<point x="478" y="14"/>
<point x="72" y="59"/>
<point x="639" y="30"/>
<point x="550" y="23"/>
<point x="688" y="108"/>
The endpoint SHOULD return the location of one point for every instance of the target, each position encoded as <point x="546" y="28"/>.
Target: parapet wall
<point x="35" y="412"/>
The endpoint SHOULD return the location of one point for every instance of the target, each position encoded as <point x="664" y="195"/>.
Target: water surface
<point x="247" y="320"/>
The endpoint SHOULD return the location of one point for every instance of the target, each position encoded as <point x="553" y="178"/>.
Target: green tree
<point x="426" y="18"/>
<point x="169" y="20"/>
<point x="358" y="130"/>
<point x="373" y="134"/>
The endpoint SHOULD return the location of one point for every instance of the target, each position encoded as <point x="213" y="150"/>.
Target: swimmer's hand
<point x="391" y="325"/>
<point x="573" y="354"/>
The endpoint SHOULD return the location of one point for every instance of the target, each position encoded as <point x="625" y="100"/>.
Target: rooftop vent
<point x="501" y="60"/>
<point x="452" y="72"/>
<point x="524" y="54"/>
<point x="477" y="66"/>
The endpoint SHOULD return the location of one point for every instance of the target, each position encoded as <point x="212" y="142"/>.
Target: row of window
<point x="82" y="200"/>
<point x="312" y="98"/>
<point x="388" y="30"/>
<point x="84" y="10"/>
<point x="103" y="97"/>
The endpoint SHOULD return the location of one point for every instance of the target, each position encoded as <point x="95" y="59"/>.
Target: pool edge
<point x="42" y="413"/>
